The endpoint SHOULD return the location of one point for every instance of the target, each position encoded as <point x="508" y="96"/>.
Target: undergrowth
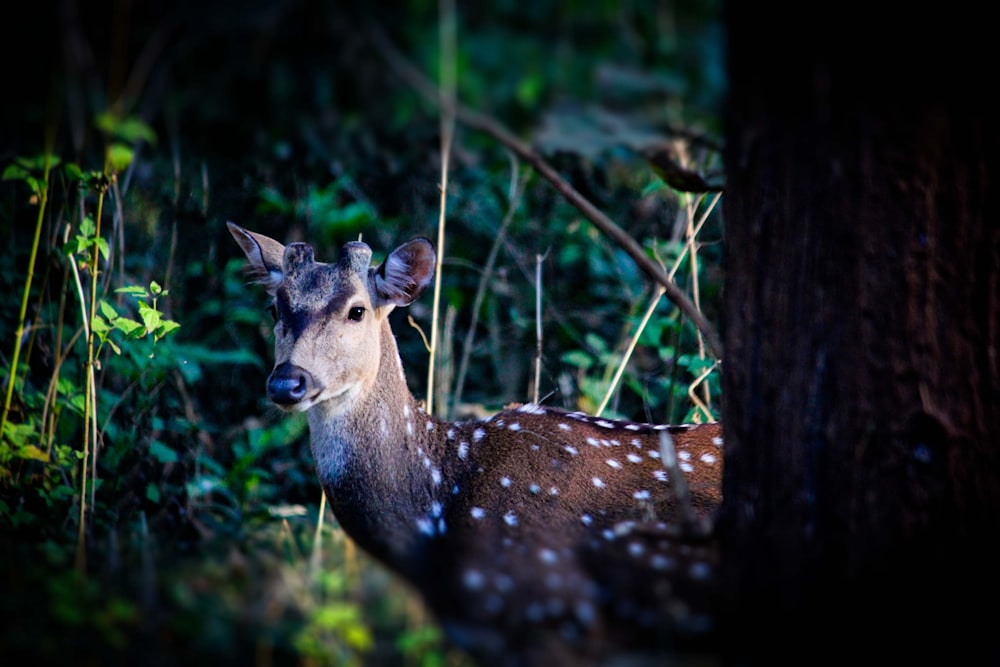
<point x="153" y="507"/>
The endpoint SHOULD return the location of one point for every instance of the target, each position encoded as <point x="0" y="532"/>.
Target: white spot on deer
<point x="478" y="435"/>
<point x="571" y="449"/>
<point x="686" y="467"/>
<point x="553" y="491"/>
<point x="632" y="427"/>
<point x="430" y="426"/>
<point x="598" y="482"/>
<point x="564" y="426"/>
<point x="450" y="434"/>
<point x="614" y="464"/>
<point x="548" y="556"/>
<point x="500" y="422"/>
<point x="436" y="476"/>
<point x="505" y="482"/>
<point x="473" y="579"/>
<point x="534" y="488"/>
<point x="593" y="442"/>
<point x="708" y="458"/>
<point x="409" y="427"/>
<point x="660" y="475"/>
<point x="463" y="450"/>
<point x="661" y="427"/>
<point x="534" y="448"/>
<point x="717" y="441"/>
<point x="454" y="490"/>
<point x="510" y="518"/>
<point x="635" y="549"/>
<point x="616" y="443"/>
<point x="435" y="508"/>
<point x="684" y="455"/>
<point x="653" y="454"/>
<point x="383" y="428"/>
<point x="425" y="526"/>
<point x="442" y="528"/>
<point x="515" y="427"/>
<point x="641" y="494"/>
<point x="604" y="423"/>
<point x="477" y="513"/>
<point x="406" y="411"/>
<point x="606" y="443"/>
<point x="427" y="461"/>
<point x="586" y="519"/>
<point x="634" y="458"/>
<point x="608" y="534"/>
<point x="636" y="442"/>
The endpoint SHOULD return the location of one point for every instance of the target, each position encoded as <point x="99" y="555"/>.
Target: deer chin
<point x="332" y="402"/>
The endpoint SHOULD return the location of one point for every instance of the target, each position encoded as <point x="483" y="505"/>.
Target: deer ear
<point x="406" y="272"/>
<point x="264" y="255"/>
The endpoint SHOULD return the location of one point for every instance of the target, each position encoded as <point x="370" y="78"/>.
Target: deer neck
<point x="380" y="464"/>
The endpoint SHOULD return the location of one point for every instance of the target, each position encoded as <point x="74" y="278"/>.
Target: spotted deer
<point x="537" y="536"/>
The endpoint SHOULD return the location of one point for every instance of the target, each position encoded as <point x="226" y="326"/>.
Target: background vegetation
<point x="153" y="506"/>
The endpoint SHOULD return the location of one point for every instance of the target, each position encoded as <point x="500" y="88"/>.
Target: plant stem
<point x="43" y="198"/>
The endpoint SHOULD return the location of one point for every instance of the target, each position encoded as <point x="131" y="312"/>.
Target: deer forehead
<point x="311" y="289"/>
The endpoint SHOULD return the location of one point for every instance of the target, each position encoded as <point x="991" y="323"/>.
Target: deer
<point x="535" y="536"/>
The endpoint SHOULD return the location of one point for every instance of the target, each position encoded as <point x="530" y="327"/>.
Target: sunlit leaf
<point x="119" y="157"/>
<point x="32" y="452"/>
<point x="134" y="290"/>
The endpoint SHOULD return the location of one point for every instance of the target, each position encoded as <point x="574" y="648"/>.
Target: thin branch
<point x="485" y="123"/>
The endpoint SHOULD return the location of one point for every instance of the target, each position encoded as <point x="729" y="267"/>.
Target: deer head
<point x="536" y="535"/>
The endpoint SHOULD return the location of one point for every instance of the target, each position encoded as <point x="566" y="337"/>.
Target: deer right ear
<point x="406" y="272"/>
<point x="264" y="255"/>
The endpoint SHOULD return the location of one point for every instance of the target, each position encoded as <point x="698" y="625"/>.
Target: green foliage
<point x="197" y="512"/>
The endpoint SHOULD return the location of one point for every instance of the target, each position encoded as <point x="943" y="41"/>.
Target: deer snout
<point x="288" y="384"/>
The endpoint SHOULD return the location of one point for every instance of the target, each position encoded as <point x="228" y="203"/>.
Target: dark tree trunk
<point x="862" y="324"/>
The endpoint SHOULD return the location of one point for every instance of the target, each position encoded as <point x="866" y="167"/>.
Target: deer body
<point x="532" y="535"/>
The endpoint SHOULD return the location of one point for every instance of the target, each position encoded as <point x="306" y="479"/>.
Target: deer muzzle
<point x="289" y="384"/>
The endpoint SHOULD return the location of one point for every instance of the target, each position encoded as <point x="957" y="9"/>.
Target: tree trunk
<point x="862" y="318"/>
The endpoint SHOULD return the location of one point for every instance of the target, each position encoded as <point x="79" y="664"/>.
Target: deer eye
<point x="356" y="314"/>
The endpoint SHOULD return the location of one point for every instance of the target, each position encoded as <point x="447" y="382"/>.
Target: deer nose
<point x="289" y="384"/>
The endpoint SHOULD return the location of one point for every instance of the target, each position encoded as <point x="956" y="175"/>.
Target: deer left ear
<point x="264" y="255"/>
<point x="406" y="272"/>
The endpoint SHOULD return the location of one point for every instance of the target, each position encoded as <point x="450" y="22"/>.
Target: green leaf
<point x="578" y="359"/>
<point x="102" y="246"/>
<point x="32" y="452"/>
<point x="107" y="310"/>
<point x="129" y="327"/>
<point x="134" y="290"/>
<point x="100" y="326"/>
<point x="162" y="452"/>
<point x="151" y="317"/>
<point x="155" y="289"/>
<point x="167" y="327"/>
<point x="152" y="493"/>
<point x="119" y="157"/>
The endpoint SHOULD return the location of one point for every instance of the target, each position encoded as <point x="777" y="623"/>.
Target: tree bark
<point x="862" y="311"/>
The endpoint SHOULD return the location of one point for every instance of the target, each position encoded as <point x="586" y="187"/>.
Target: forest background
<point x="154" y="508"/>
